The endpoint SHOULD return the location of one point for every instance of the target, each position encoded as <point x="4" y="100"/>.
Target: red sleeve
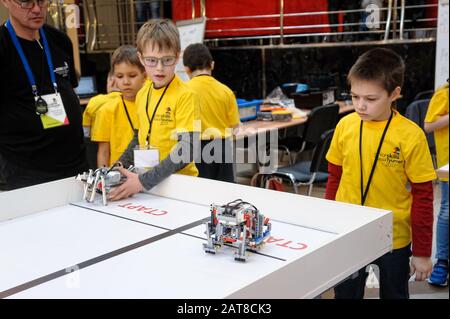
<point x="334" y="177"/>
<point x="422" y="218"/>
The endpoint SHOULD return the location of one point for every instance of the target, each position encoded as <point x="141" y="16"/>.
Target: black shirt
<point x="23" y="140"/>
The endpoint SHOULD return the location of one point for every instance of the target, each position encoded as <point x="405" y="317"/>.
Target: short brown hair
<point x="381" y="65"/>
<point x="160" y="32"/>
<point x="196" y="56"/>
<point x="127" y="54"/>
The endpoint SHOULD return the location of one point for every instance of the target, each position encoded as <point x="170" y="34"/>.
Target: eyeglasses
<point x="29" y="4"/>
<point x="165" y="61"/>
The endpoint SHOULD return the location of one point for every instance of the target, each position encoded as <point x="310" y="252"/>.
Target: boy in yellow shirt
<point x="89" y="114"/>
<point x="168" y="113"/>
<point x="374" y="154"/>
<point x="96" y="102"/>
<point x="436" y="121"/>
<point x="219" y="114"/>
<point x="117" y="120"/>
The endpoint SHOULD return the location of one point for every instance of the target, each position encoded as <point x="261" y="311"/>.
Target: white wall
<point x="441" y="74"/>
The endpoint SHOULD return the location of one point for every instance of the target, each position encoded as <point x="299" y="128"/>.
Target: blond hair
<point x="160" y="33"/>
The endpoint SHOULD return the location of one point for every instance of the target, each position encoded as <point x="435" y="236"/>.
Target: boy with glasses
<point x="167" y="113"/>
<point x="41" y="137"/>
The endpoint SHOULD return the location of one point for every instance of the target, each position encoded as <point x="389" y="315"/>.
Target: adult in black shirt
<point x="30" y="154"/>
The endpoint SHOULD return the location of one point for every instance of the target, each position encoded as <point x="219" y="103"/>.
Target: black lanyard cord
<point x="156" y="108"/>
<point x="128" y="115"/>
<point x="366" y="191"/>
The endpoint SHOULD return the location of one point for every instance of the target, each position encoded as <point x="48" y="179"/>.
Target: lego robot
<point x="238" y="224"/>
<point x="101" y="181"/>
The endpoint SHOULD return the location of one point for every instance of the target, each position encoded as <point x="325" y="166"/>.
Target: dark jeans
<point x="13" y="176"/>
<point x="393" y="277"/>
<point x="221" y="168"/>
<point x="145" y="10"/>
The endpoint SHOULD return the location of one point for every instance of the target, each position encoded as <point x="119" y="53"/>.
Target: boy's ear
<point x="395" y="95"/>
<point x="140" y="59"/>
<point x="212" y="65"/>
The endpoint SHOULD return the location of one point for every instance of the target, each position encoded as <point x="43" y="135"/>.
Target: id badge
<point x="146" y="157"/>
<point x="56" y="115"/>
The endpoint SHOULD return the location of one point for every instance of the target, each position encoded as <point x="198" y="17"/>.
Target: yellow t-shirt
<point x="437" y="108"/>
<point x="95" y="103"/>
<point x="218" y="107"/>
<point x="112" y="125"/>
<point x="404" y="157"/>
<point x="176" y="113"/>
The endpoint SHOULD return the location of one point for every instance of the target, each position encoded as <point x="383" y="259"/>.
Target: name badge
<point x="56" y="114"/>
<point x="87" y="131"/>
<point x="146" y="157"/>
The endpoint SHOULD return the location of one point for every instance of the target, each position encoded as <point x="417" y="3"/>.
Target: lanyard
<point x="128" y="115"/>
<point x="25" y="63"/>
<point x="156" y="108"/>
<point x="366" y="191"/>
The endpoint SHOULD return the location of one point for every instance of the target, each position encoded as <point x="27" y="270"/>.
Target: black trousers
<point x="216" y="160"/>
<point x="393" y="277"/>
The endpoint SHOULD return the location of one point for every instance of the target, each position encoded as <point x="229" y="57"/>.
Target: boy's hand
<point x="131" y="186"/>
<point x="421" y="266"/>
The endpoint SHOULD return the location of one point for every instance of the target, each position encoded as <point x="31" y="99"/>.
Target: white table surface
<point x="150" y="246"/>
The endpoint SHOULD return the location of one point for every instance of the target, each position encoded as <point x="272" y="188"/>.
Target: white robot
<point x="238" y="224"/>
<point x="101" y="181"/>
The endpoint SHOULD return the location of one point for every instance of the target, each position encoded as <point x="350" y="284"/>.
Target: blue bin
<point x="248" y="109"/>
<point x="289" y="88"/>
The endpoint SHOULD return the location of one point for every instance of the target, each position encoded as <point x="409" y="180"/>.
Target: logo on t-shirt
<point x="63" y="70"/>
<point x="397" y="151"/>
<point x="166" y="117"/>
<point x="392" y="159"/>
